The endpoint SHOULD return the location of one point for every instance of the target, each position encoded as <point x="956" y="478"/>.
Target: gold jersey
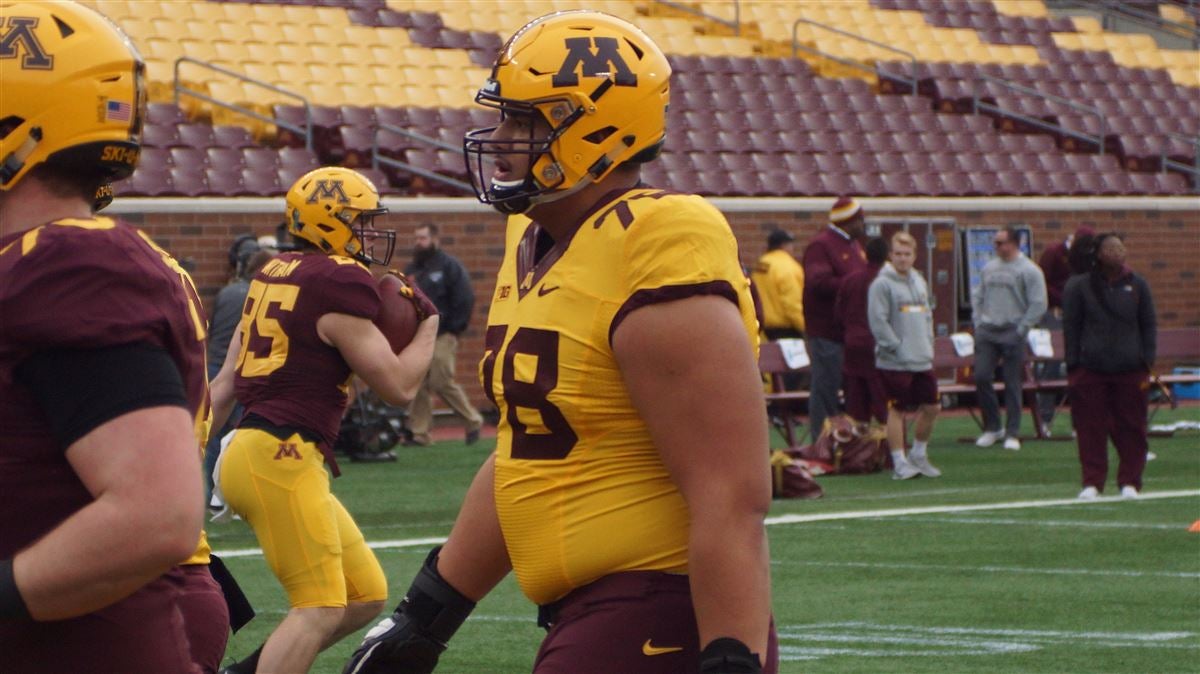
<point x="580" y="489"/>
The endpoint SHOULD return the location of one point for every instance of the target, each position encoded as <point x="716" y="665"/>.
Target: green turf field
<point x="878" y="576"/>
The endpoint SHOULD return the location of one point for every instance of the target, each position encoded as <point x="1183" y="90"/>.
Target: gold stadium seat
<point x="291" y="73"/>
<point x="299" y="33"/>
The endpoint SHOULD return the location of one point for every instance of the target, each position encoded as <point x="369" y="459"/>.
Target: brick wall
<point x="1163" y="243"/>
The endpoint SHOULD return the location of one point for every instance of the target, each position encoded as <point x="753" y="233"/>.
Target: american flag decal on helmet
<point x="117" y="111"/>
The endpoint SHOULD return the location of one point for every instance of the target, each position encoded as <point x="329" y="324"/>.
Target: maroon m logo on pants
<point x="287" y="450"/>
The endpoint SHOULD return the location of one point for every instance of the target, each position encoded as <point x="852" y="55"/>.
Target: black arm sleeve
<point x="78" y="390"/>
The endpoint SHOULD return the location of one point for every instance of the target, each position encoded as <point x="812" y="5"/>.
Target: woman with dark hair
<point x="1109" y="329"/>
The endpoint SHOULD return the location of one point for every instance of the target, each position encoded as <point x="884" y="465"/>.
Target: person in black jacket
<point x="1110" y="333"/>
<point x="445" y="281"/>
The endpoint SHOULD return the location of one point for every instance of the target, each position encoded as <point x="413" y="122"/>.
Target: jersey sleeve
<point x="680" y="248"/>
<point x="80" y="288"/>
<point x="350" y="289"/>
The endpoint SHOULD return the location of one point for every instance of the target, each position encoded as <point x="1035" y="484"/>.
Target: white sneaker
<point x="924" y="467"/>
<point x="1129" y="491"/>
<point x="905" y="470"/>
<point x="1012" y="444"/>
<point x="1150" y="456"/>
<point x="1089" y="494"/>
<point x="988" y="439"/>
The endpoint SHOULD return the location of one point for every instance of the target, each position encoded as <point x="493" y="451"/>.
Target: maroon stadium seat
<point x="897" y="184"/>
<point x="166" y="136"/>
<point x="224" y="158"/>
<point x="224" y="181"/>
<point x="262" y="182"/>
<point x="232" y="136"/>
<point x="297" y="159"/>
<point x="261" y="158"/>
<point x="188" y="181"/>
<point x="164" y="114"/>
<point x="195" y="135"/>
<point x="187" y="157"/>
<point x="355" y="146"/>
<point x="155" y="159"/>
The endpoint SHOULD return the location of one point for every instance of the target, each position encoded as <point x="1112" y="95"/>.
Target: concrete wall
<point x="1164" y="237"/>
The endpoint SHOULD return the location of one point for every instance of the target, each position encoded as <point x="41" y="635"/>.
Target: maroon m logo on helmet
<point x="19" y="33"/>
<point x="606" y="61"/>
<point x="328" y="189"/>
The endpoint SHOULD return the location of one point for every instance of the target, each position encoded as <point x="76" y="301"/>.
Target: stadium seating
<point x="746" y="117"/>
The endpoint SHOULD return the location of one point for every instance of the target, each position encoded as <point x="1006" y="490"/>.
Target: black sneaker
<point x="472" y="436"/>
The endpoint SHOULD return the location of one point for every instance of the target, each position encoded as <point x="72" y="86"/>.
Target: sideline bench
<point x="945" y="357"/>
<point x="1175" y="345"/>
<point x="783" y="405"/>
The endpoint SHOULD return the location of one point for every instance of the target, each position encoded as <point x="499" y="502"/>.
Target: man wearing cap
<point x="832" y="255"/>
<point x="780" y="282"/>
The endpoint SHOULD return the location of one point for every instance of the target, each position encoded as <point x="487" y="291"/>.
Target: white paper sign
<point x="794" y="353"/>
<point x="964" y="344"/>
<point x="1040" y="344"/>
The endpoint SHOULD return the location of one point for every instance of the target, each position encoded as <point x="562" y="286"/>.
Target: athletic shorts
<point x="636" y="622"/>
<point x="205" y="616"/>
<point x="314" y="548"/>
<point x="865" y="397"/>
<point x="907" y="390"/>
<point x="144" y="632"/>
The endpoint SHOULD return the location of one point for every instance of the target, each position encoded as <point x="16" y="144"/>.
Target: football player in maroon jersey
<point x="306" y="326"/>
<point x="103" y="398"/>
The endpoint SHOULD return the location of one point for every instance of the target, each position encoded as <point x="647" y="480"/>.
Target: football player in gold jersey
<point x="630" y="478"/>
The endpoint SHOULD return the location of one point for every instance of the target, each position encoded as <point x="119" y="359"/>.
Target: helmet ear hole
<point x="600" y="135"/>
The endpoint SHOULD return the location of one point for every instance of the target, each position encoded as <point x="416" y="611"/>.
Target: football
<point x="397" y="318"/>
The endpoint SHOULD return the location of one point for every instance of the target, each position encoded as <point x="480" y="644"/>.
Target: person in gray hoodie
<point x="1009" y="300"/>
<point x="901" y="320"/>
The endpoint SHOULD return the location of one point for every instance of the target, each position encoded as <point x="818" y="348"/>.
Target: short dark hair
<point x="1012" y="234"/>
<point x="433" y="228"/>
<point x="877" y="250"/>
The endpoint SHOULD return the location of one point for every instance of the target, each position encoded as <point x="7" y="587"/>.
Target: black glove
<point x="412" y="639"/>
<point x="728" y="656"/>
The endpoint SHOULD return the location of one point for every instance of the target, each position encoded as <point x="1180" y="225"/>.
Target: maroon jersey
<point x="285" y="373"/>
<point x="82" y="284"/>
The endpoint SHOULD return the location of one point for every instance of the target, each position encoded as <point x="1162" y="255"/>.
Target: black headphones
<point x="239" y="253"/>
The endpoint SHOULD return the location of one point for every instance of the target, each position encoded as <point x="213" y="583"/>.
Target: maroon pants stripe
<point x="637" y="622"/>
<point x="1113" y="406"/>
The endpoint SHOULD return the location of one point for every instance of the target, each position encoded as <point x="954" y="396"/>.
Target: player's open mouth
<point x="503" y="175"/>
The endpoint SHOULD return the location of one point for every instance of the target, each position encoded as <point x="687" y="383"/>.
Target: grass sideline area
<point x="993" y="567"/>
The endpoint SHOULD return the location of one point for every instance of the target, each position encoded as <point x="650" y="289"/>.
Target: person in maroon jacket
<point x="1056" y="267"/>
<point x="832" y="255"/>
<point x="865" y="395"/>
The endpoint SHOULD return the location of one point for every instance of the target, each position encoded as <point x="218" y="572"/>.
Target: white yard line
<point x="992" y="569"/>
<point x="1070" y="524"/>
<point x="962" y="508"/>
<point x="824" y="517"/>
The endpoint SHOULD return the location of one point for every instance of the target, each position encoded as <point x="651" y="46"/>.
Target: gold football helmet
<point x="72" y="92"/>
<point x="598" y="81"/>
<point x="334" y="208"/>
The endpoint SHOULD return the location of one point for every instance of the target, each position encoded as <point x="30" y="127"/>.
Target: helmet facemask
<point x="362" y="225"/>
<point x="543" y="175"/>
